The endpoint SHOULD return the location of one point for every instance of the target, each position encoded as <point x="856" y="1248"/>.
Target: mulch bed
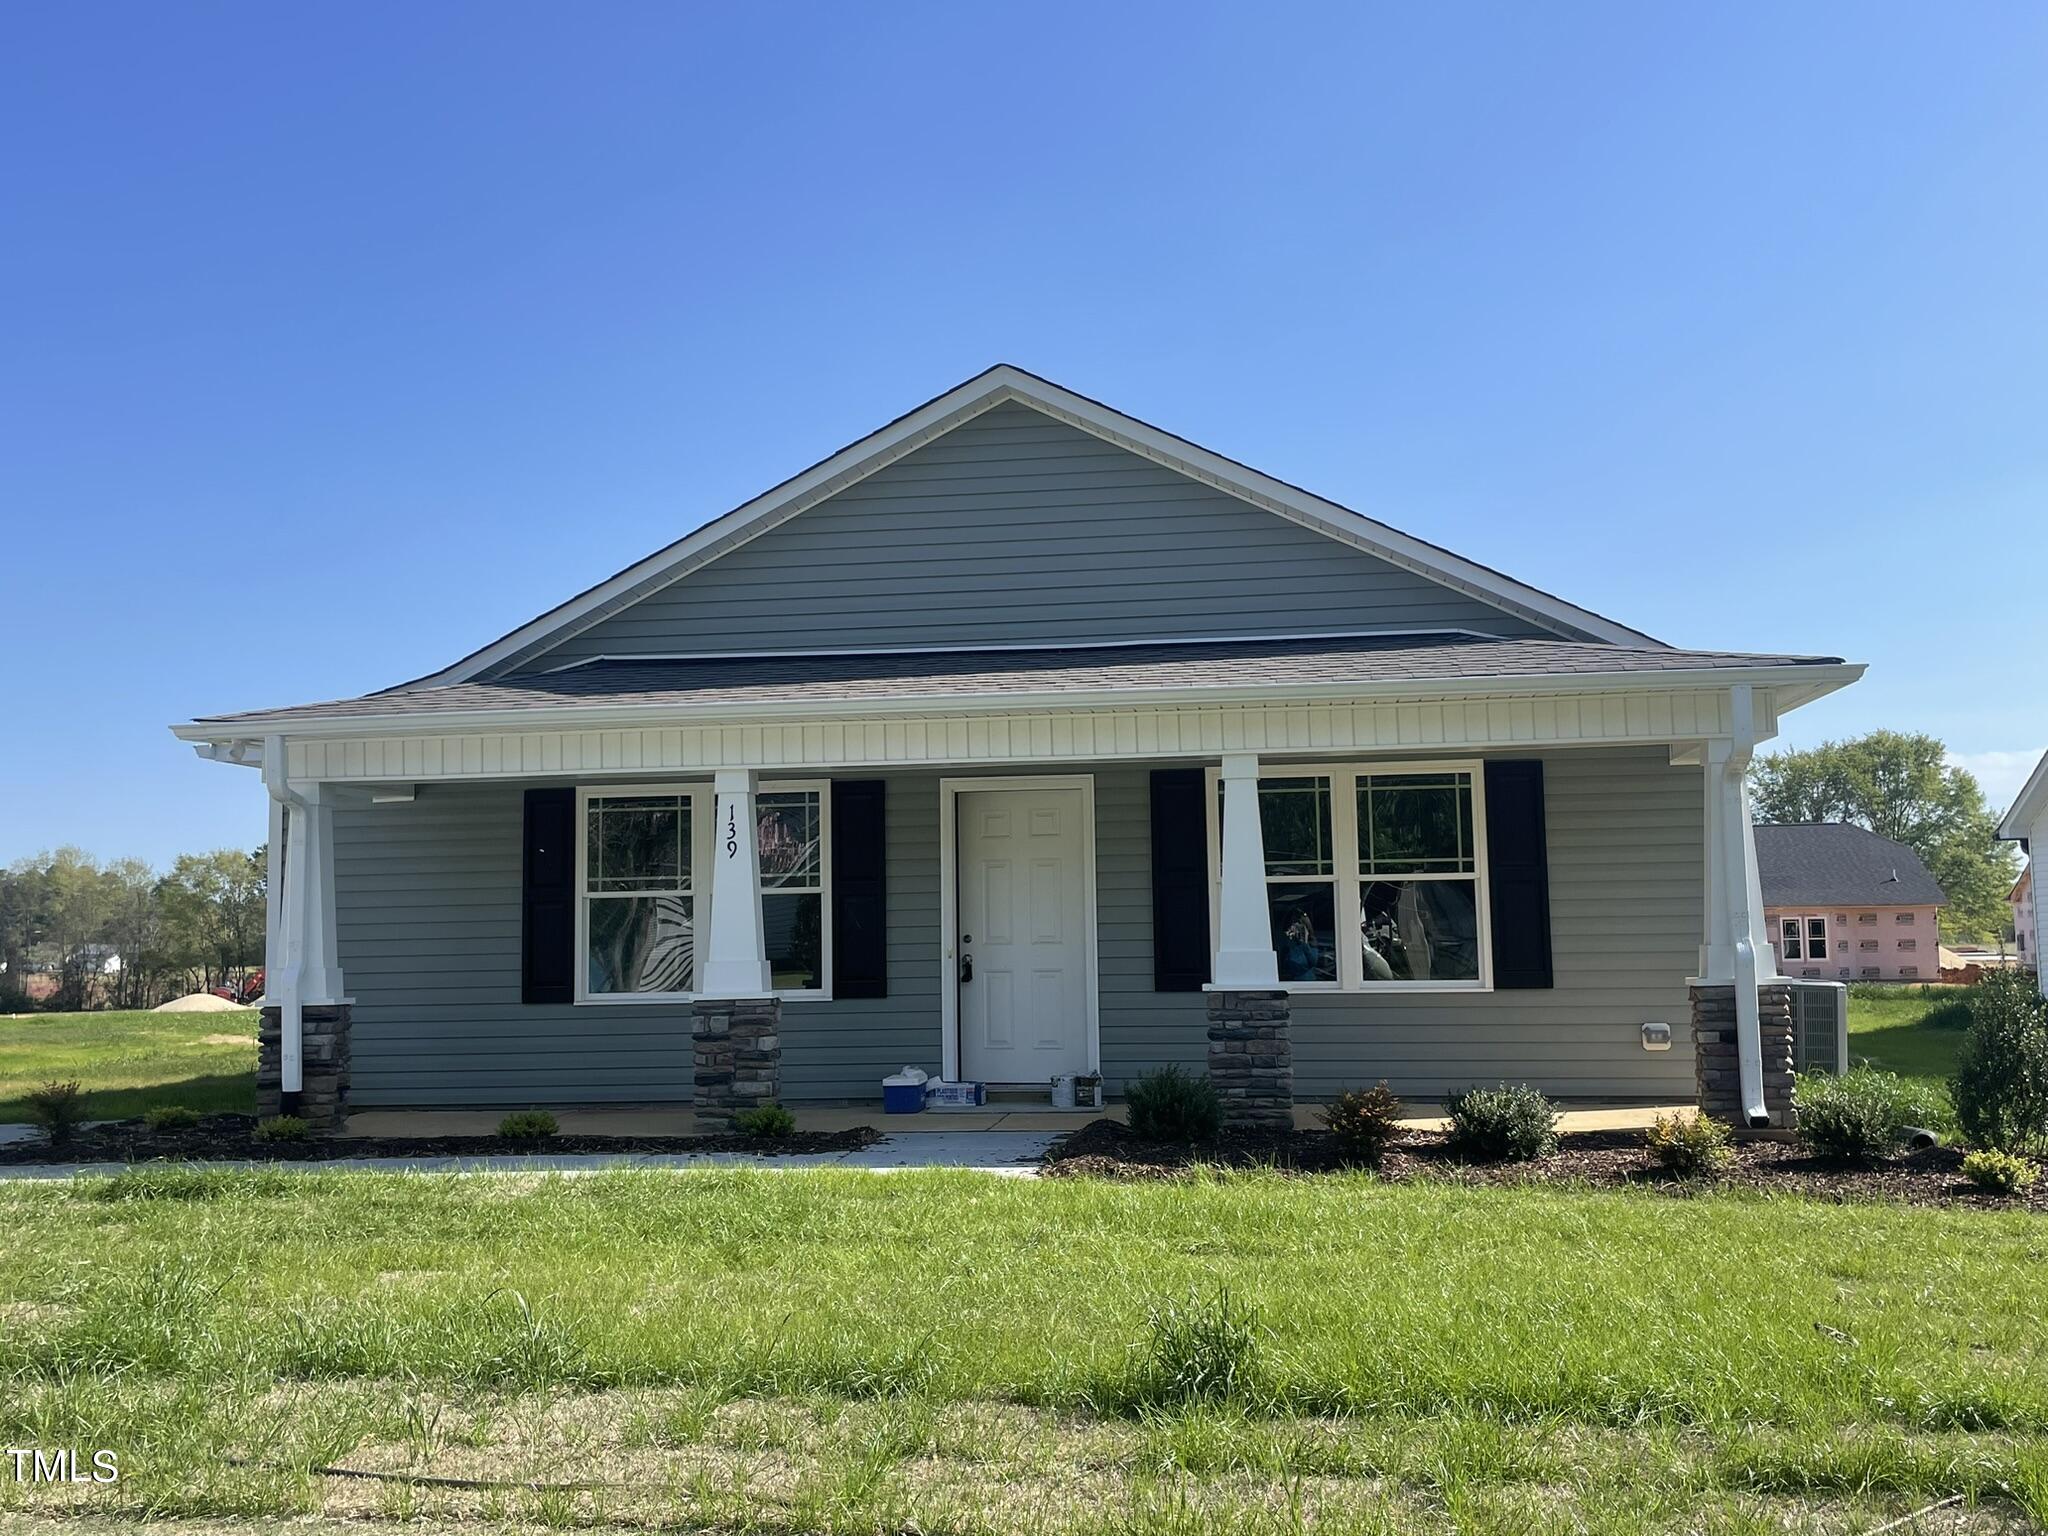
<point x="219" y="1137"/>
<point x="1107" y="1149"/>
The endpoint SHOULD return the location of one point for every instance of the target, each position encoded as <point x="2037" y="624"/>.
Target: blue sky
<point x="1731" y="322"/>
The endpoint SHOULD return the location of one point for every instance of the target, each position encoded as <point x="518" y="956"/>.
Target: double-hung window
<point x="1375" y="876"/>
<point x="1803" y="938"/>
<point x="644" y="881"/>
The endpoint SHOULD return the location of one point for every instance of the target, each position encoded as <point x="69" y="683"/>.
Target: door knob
<point x="967" y="967"/>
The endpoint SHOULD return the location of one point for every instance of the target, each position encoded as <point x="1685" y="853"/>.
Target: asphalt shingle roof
<point x="864" y="677"/>
<point x="1829" y="863"/>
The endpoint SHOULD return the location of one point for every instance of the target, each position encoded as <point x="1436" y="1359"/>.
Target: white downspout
<point x="1740" y="886"/>
<point x="283" y="982"/>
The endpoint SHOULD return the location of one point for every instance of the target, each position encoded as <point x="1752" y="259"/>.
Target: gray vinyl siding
<point x="427" y="917"/>
<point x="1626" y="835"/>
<point x="428" y="898"/>
<point x="1015" y="528"/>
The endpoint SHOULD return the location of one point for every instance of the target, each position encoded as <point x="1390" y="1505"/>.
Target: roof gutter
<point x="1802" y="684"/>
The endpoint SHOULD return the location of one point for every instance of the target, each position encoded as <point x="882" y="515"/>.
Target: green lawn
<point x="129" y="1061"/>
<point x="1914" y="1031"/>
<point x="949" y="1352"/>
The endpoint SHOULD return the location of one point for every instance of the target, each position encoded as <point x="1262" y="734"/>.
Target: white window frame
<point x="1344" y="779"/>
<point x="1805" y="920"/>
<point x="703" y="800"/>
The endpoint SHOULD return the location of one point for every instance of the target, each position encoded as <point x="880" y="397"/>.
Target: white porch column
<point x="1244" y="941"/>
<point x="1717" y="957"/>
<point x="1736" y="954"/>
<point x="736" y="960"/>
<point x="309" y="873"/>
<point x="273" y="896"/>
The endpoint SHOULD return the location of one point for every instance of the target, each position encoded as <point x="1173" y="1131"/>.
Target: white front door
<point x="1023" y="940"/>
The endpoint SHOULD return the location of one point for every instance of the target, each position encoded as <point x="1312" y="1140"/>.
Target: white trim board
<point x="2028" y="807"/>
<point x="1023" y="738"/>
<point x="949" y="906"/>
<point x="1001" y="385"/>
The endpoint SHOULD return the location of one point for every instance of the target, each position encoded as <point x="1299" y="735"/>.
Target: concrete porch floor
<point x="678" y="1120"/>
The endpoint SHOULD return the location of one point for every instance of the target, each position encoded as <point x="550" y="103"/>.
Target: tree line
<point x="76" y="933"/>
<point x="1903" y="787"/>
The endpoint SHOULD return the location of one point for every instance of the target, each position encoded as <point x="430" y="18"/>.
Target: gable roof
<point x="997" y="386"/>
<point x="2028" y="806"/>
<point x="745" y="686"/>
<point x="1830" y="863"/>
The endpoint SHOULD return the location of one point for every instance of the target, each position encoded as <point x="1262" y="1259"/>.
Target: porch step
<point x="1021" y="1094"/>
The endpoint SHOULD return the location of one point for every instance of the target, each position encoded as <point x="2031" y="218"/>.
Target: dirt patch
<point x="233" y="1137"/>
<point x="200" y="1002"/>
<point x="1106" y="1149"/>
<point x="227" y="1039"/>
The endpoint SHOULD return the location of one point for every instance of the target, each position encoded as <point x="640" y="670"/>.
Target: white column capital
<point x="1239" y="765"/>
<point x="736" y="958"/>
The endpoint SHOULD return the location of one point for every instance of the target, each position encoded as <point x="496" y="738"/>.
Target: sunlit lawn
<point x="129" y="1061"/>
<point x="950" y="1352"/>
<point x="1914" y="1031"/>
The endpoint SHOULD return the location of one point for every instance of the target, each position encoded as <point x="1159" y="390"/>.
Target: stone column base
<point x="1251" y="1059"/>
<point x="323" y="1065"/>
<point x="1717" y="1066"/>
<point x="738" y="1049"/>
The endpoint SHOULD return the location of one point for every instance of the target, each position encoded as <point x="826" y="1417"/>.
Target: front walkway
<point x="1007" y="1141"/>
<point x="1014" y="1154"/>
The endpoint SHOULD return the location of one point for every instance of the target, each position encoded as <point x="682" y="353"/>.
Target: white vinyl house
<point x="2026" y="823"/>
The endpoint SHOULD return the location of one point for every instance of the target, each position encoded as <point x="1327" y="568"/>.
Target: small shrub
<point x="1202" y="1349"/>
<point x="2001" y="1082"/>
<point x="282" y="1128"/>
<point x="1690" y="1145"/>
<point x="1172" y="1105"/>
<point x="528" y="1125"/>
<point x="59" y="1108"/>
<point x="1364" y="1121"/>
<point x="1509" y="1124"/>
<point x="170" y="1117"/>
<point x="765" y="1120"/>
<point x="2002" y="1173"/>
<point x="1860" y="1117"/>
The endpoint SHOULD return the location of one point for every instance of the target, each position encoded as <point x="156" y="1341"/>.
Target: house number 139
<point x="732" y="832"/>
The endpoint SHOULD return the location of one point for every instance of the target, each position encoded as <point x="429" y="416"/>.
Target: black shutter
<point x="1518" y="869"/>
<point x="547" y="898"/>
<point x="1180" y="880"/>
<point x="860" y="905"/>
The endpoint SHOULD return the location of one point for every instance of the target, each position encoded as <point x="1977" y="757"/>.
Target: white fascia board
<point x="2028" y="807"/>
<point x="935" y="418"/>
<point x="589" y="717"/>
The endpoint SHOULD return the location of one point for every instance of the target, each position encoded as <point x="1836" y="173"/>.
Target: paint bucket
<point x="1063" y="1092"/>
